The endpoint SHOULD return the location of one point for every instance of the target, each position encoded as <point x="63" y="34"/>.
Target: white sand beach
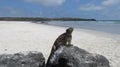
<point x="25" y="36"/>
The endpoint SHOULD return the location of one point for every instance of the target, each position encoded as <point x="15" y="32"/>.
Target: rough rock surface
<point x="71" y="56"/>
<point x="27" y="59"/>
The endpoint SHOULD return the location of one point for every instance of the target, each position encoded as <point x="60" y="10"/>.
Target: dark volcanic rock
<point x="72" y="56"/>
<point x="28" y="59"/>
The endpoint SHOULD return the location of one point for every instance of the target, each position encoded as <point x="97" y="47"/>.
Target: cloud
<point x="104" y="4"/>
<point x="48" y="2"/>
<point x="90" y="7"/>
<point x="110" y="2"/>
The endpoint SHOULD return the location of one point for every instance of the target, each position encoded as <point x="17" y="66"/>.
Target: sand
<point x="26" y="36"/>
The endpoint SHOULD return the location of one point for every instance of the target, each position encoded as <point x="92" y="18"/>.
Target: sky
<point x="97" y="9"/>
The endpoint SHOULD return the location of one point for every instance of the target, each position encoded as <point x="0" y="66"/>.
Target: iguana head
<point x="69" y="30"/>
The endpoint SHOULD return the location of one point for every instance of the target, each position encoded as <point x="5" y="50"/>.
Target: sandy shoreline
<point x="26" y="36"/>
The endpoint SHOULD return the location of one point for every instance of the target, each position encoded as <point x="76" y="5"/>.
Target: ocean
<point x="103" y="26"/>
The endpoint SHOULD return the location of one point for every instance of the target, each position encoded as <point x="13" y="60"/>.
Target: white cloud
<point x="104" y="4"/>
<point x="48" y="2"/>
<point x="90" y="7"/>
<point x="110" y="2"/>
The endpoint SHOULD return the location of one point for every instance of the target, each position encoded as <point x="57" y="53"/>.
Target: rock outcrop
<point x="27" y="59"/>
<point x="72" y="56"/>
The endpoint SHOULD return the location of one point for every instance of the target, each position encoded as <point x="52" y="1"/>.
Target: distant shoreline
<point x="42" y="19"/>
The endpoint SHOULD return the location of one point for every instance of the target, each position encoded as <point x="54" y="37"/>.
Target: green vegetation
<point x="42" y="19"/>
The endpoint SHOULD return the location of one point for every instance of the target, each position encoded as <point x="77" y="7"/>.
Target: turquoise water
<point x="103" y="26"/>
<point x="77" y="23"/>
